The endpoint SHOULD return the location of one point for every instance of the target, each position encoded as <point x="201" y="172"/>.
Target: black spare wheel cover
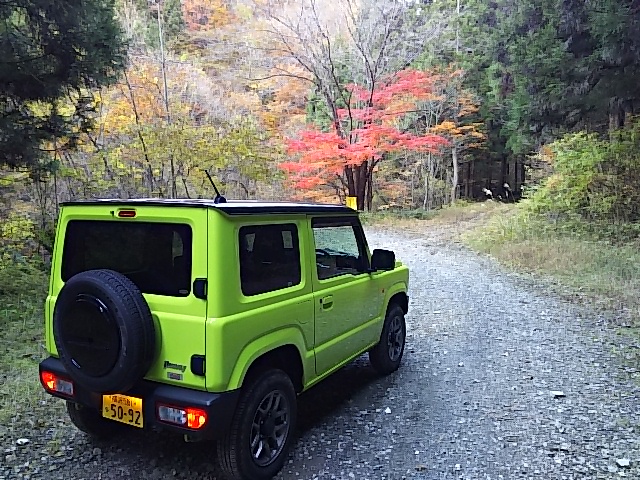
<point x="104" y="331"/>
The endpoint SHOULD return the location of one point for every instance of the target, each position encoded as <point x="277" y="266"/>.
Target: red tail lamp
<point x="55" y="384"/>
<point x="182" y="416"/>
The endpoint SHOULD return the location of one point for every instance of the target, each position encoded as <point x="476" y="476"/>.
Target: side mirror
<point x="383" y="260"/>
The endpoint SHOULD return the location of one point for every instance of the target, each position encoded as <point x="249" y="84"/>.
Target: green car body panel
<point x="327" y="321"/>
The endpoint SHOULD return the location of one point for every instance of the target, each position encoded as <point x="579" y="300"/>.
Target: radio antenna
<point x="219" y="198"/>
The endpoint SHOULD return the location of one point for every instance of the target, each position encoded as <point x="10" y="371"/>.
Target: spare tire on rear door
<point x="104" y="331"/>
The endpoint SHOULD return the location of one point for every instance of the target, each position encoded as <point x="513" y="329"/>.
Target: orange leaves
<point x="206" y="14"/>
<point x="283" y="99"/>
<point x="457" y="111"/>
<point x="118" y="110"/>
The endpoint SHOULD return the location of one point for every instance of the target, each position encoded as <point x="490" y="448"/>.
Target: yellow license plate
<point x="122" y="408"/>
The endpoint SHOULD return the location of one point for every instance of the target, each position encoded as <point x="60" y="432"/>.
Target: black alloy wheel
<point x="386" y="356"/>
<point x="258" y="442"/>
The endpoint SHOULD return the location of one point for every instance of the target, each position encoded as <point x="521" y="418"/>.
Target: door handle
<point x="327" y="302"/>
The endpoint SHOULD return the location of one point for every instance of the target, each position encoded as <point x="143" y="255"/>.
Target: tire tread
<point x="137" y="325"/>
<point x="233" y="466"/>
<point x="378" y="355"/>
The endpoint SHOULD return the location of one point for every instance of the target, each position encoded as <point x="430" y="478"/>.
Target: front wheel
<point x="259" y="439"/>
<point x="386" y="356"/>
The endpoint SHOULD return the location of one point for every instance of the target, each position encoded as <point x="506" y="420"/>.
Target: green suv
<point x="207" y="318"/>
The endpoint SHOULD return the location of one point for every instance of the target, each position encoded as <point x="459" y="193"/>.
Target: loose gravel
<point x="501" y="379"/>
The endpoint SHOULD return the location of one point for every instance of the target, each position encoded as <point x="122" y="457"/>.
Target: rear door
<point x="346" y="302"/>
<point x="162" y="250"/>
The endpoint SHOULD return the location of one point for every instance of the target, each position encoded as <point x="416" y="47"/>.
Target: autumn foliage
<point x="367" y="131"/>
<point x="202" y="15"/>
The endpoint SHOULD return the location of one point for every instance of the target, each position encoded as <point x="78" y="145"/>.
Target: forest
<point x="403" y="105"/>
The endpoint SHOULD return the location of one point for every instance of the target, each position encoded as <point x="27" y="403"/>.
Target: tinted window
<point x="154" y="256"/>
<point x="339" y="248"/>
<point x="269" y="258"/>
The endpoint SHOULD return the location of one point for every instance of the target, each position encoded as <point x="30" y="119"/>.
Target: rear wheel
<point x="386" y="356"/>
<point x="261" y="432"/>
<point x="89" y="420"/>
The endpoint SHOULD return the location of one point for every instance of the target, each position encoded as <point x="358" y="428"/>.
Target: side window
<point x="340" y="249"/>
<point x="269" y="258"/>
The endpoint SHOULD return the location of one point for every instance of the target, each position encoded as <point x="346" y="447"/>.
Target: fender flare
<point x="265" y="344"/>
<point x="398" y="287"/>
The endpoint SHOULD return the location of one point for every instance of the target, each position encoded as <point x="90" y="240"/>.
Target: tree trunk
<point x="616" y="114"/>
<point x="369" y="189"/>
<point x="454" y="180"/>
<point x="163" y="64"/>
<point x="351" y="184"/>
<point x="139" y="132"/>
<point x="427" y="183"/>
<point x="359" y="185"/>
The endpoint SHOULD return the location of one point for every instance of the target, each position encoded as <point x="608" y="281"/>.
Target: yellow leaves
<point x="244" y="12"/>
<point x="40" y="109"/>
<point x="202" y="15"/>
<point x="120" y="165"/>
<point x="445" y="126"/>
<point x="8" y="178"/>
<point x="44" y="110"/>
<point x="18" y="229"/>
<point x="143" y="93"/>
<point x="554" y="182"/>
<point x="270" y="120"/>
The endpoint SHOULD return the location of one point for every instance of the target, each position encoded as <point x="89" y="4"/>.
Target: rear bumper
<point x="220" y="407"/>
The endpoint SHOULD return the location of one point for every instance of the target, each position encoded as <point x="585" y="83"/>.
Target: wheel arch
<point x="399" y="298"/>
<point x="281" y="349"/>
<point x="286" y="358"/>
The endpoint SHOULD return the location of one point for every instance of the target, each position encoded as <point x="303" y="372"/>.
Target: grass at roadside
<point x="589" y="266"/>
<point x="460" y="212"/>
<point x="21" y="324"/>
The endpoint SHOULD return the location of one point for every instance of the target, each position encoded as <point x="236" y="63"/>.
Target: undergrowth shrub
<point x="21" y="278"/>
<point x="593" y="179"/>
<point x="22" y="270"/>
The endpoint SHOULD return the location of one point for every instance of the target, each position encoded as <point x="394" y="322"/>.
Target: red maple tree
<point x="361" y="136"/>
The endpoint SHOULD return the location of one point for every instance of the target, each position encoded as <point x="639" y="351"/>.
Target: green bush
<point x="593" y="179"/>
<point x="19" y="277"/>
<point x="22" y="264"/>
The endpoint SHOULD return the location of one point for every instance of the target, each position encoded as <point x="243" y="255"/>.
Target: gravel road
<point x="501" y="380"/>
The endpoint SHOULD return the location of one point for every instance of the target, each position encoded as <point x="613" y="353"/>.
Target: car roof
<point x="231" y="207"/>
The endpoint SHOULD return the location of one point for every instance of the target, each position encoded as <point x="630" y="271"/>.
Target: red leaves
<point x="412" y="83"/>
<point x="369" y="128"/>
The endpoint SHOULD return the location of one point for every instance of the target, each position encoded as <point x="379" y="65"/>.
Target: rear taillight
<point x="182" y="416"/>
<point x="56" y="384"/>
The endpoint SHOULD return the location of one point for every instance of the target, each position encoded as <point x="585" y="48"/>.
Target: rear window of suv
<point x="154" y="256"/>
